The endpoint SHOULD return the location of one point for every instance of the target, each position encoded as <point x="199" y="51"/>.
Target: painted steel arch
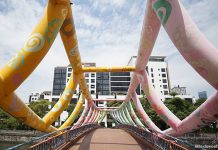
<point x="185" y="35"/>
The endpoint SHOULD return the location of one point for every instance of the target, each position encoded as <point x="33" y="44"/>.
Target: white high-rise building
<point x="157" y="70"/>
<point x="62" y="76"/>
<point x="111" y="83"/>
<point x="89" y="76"/>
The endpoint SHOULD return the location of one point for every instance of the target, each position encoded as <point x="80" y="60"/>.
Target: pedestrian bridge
<point x="187" y="38"/>
<point x="92" y="136"/>
<point x="107" y="139"/>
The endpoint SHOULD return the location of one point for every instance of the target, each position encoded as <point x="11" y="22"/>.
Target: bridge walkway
<point x="108" y="139"/>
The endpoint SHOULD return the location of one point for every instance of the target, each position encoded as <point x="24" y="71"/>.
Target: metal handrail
<point x="154" y="138"/>
<point x="37" y="139"/>
<point x="215" y="141"/>
<point x="57" y="141"/>
<point x="54" y="135"/>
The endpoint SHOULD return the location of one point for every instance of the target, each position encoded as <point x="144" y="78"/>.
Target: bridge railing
<point x="56" y="139"/>
<point x="154" y="139"/>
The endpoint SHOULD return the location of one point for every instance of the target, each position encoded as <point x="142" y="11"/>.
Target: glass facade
<point x="120" y="74"/>
<point x="119" y="89"/>
<point x="119" y="82"/>
<point x="202" y="94"/>
<point x="120" y="78"/>
<point x="59" y="82"/>
<point x="102" y="83"/>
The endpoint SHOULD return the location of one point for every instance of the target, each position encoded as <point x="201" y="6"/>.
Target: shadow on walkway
<point x="86" y="142"/>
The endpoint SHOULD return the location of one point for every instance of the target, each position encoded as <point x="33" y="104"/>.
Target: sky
<point x="108" y="33"/>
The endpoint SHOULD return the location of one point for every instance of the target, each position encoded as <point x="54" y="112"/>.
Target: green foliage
<point x="40" y="107"/>
<point x="180" y="107"/>
<point x="199" y="102"/>
<point x="113" y="104"/>
<point x="9" y="122"/>
<point x="173" y="94"/>
<point x="212" y="128"/>
<point x="152" y="114"/>
<point x="70" y="108"/>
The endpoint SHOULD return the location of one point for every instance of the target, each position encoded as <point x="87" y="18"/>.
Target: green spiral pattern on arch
<point x="167" y="6"/>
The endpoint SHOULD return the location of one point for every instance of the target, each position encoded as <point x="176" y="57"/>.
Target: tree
<point x="173" y="94"/>
<point x="152" y="114"/>
<point x="40" y="107"/>
<point x="199" y="102"/>
<point x="114" y="104"/>
<point x="211" y="128"/>
<point x="70" y="108"/>
<point x="9" y="122"/>
<point x="180" y="107"/>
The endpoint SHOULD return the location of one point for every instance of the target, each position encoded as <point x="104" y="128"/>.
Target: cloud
<point x="85" y="18"/>
<point x="107" y="3"/>
<point x="204" y="14"/>
<point x="108" y="33"/>
<point x="18" y="24"/>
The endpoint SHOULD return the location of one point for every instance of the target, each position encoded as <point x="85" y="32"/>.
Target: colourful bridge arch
<point x="190" y="42"/>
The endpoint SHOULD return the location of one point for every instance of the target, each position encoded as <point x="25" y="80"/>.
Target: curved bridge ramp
<point x="109" y="139"/>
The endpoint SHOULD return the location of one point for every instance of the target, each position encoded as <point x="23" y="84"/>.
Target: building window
<point x="165" y="86"/>
<point x="92" y="92"/>
<point x="86" y="75"/>
<point x="163" y="70"/>
<point x="92" y="75"/>
<point x="92" y="80"/>
<point x="151" y="69"/>
<point x="152" y="80"/>
<point x="100" y="102"/>
<point x="92" y="86"/>
<point x="120" y="78"/>
<point x="105" y="82"/>
<point x="69" y="69"/>
<point x="87" y="80"/>
<point x="105" y="88"/>
<point x="164" y="81"/>
<point x="152" y="75"/>
<point x="68" y="74"/>
<point x="120" y="83"/>
<point x="57" y="75"/>
<point x="56" y="86"/>
<point x="147" y="69"/>
<point x="119" y="89"/>
<point x="154" y="86"/>
<point x="163" y="75"/>
<point x="165" y="92"/>
<point x="57" y="70"/>
<point x="120" y="73"/>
